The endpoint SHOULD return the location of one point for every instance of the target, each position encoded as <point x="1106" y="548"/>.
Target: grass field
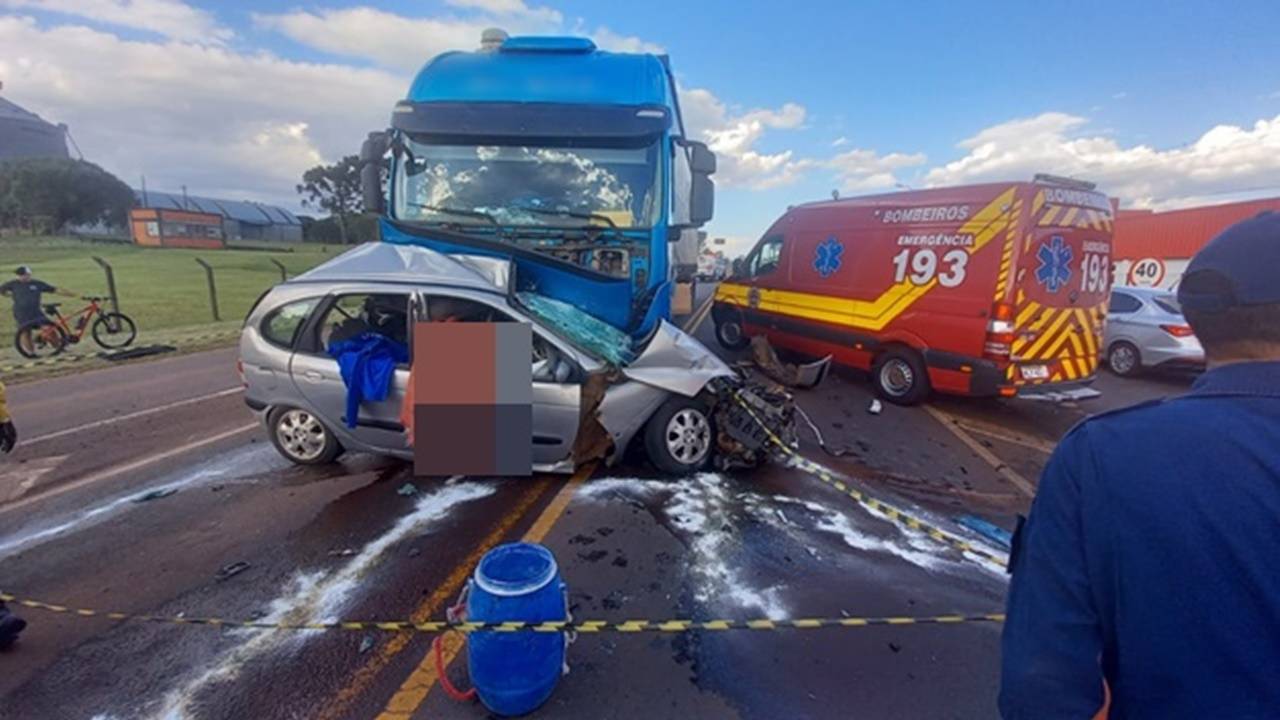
<point x="159" y="288"/>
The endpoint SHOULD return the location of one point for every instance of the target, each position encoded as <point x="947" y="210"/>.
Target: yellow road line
<point x="1021" y="440"/>
<point x="445" y="592"/>
<point x="415" y="688"/>
<point x="1008" y="473"/>
<point x="691" y="325"/>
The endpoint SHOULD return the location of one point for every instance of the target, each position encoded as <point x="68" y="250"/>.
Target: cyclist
<point x="10" y="624"/>
<point x="26" y="291"/>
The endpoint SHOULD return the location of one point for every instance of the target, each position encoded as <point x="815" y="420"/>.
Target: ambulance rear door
<point x="1061" y="287"/>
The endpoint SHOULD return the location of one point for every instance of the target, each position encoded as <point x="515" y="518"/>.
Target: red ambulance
<point x="983" y="290"/>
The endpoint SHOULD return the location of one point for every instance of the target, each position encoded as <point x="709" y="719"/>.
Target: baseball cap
<point x="1236" y="268"/>
<point x="23" y="270"/>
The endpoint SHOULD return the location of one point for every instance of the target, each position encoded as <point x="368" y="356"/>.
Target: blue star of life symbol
<point x="1055" y="264"/>
<point x="826" y="259"/>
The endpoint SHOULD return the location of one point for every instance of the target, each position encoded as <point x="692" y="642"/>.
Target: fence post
<point x="283" y="275"/>
<point x="111" y="283"/>
<point x="213" y="290"/>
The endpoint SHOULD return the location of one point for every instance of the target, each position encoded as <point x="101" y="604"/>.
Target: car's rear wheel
<point x="301" y="437"/>
<point x="900" y="376"/>
<point x="1124" y="359"/>
<point x="729" y="332"/>
<point x="680" y="436"/>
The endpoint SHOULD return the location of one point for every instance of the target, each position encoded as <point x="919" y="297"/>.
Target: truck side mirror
<point x="738" y="268"/>
<point x="702" y="191"/>
<point x="371" y="152"/>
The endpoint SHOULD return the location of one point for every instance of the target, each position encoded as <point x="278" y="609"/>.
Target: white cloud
<point x="405" y="42"/>
<point x="1119" y="95"/>
<point x="1225" y="159"/>
<point x="221" y="122"/>
<point x="508" y="8"/>
<point x="733" y="137"/>
<point x="169" y="18"/>
<point x="607" y="39"/>
<point x="842" y="140"/>
<point x="862" y="170"/>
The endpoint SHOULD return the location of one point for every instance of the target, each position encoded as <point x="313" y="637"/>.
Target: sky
<point x="1162" y="104"/>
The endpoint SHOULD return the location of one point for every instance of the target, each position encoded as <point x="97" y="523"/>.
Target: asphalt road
<point x="87" y="519"/>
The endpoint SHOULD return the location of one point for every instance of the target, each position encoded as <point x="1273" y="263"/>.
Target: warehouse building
<point x="1152" y="249"/>
<point x="23" y="134"/>
<point x="241" y="220"/>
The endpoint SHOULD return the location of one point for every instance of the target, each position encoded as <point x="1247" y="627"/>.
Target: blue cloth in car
<point x="368" y="364"/>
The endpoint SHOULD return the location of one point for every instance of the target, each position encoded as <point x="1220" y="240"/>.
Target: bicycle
<point x="111" y="330"/>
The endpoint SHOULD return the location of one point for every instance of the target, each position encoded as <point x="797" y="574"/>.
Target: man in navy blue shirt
<point x="1151" y="557"/>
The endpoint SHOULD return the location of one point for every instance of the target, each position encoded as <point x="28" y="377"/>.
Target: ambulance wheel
<point x="900" y="376"/>
<point x="680" y="436"/>
<point x="1124" y="359"/>
<point x="729" y="333"/>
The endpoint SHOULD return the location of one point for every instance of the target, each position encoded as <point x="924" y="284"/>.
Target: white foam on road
<point x="248" y="460"/>
<point x="702" y="509"/>
<point x="318" y="596"/>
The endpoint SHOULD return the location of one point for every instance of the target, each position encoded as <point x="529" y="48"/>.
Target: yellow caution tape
<point x="579" y="626"/>
<point x="896" y="514"/>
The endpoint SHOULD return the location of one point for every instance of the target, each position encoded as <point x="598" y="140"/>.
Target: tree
<point x="55" y="192"/>
<point x="334" y="188"/>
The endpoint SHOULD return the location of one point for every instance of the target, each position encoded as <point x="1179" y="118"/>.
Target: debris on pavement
<point x="875" y="407"/>
<point x="345" y="552"/>
<point x="366" y="644"/>
<point x="988" y="530"/>
<point x="407" y="490"/>
<point x="822" y="443"/>
<point x="156" y="494"/>
<point x="791" y="375"/>
<point x="230" y="570"/>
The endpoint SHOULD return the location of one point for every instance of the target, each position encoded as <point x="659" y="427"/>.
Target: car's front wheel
<point x="301" y="437"/>
<point x="680" y="436"/>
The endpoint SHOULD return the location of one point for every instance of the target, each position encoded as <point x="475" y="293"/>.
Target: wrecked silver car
<point x="596" y="391"/>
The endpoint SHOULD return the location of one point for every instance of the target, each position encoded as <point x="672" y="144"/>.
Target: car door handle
<point x="313" y="375"/>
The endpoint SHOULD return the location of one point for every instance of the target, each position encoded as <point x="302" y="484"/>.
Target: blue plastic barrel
<point x="515" y="672"/>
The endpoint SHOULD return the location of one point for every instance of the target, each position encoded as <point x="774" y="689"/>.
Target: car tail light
<point x="1178" y="331"/>
<point x="999" y="341"/>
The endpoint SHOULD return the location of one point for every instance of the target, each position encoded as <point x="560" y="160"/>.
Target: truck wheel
<point x="301" y="438"/>
<point x="680" y="436"/>
<point x="729" y="333"/>
<point x="900" y="376"/>
<point x="1124" y="359"/>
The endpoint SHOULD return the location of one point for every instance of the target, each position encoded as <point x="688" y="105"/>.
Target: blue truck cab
<point x="570" y="161"/>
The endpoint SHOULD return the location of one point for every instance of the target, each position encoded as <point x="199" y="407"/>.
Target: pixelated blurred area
<point x="471" y="385"/>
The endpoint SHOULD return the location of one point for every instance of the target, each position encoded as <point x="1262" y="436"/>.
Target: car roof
<point x="394" y="263"/>
<point x="1143" y="291"/>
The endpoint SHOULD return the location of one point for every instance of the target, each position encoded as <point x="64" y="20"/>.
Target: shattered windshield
<point x="584" y="331"/>
<point x="528" y="185"/>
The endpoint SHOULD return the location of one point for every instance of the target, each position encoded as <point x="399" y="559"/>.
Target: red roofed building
<point x="1152" y="249"/>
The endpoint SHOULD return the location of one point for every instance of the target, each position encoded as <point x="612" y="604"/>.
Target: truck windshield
<point x="528" y="185"/>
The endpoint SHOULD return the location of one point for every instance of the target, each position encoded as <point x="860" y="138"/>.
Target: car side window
<point x="280" y="326"/>
<point x="767" y="256"/>
<point x="1124" y="303"/>
<point x="350" y="316"/>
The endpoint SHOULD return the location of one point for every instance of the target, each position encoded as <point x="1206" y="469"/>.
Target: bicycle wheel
<point x="114" y="330"/>
<point x="40" y="341"/>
